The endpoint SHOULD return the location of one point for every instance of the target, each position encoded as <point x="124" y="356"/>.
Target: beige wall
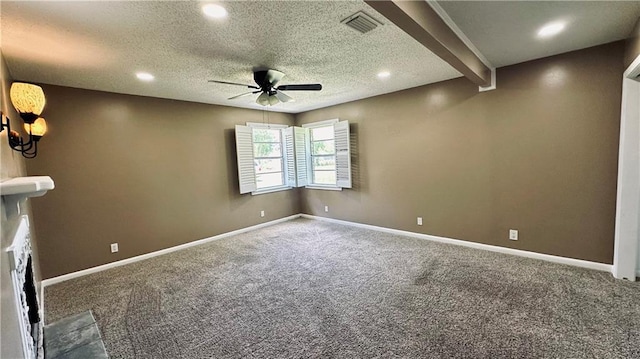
<point x="144" y="172"/>
<point x="11" y="165"/>
<point x="633" y="45"/>
<point x="539" y="154"/>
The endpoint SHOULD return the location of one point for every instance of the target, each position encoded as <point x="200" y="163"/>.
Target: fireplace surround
<point x="24" y="291"/>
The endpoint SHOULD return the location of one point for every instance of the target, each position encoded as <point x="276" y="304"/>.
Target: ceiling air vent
<point x="361" y="22"/>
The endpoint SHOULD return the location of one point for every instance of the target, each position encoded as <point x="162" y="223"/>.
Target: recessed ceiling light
<point x="383" y="74"/>
<point x="551" y="29"/>
<point x="145" y="76"/>
<point x="214" y="11"/>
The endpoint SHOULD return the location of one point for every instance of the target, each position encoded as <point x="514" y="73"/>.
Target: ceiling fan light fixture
<point x="273" y="100"/>
<point x="263" y="99"/>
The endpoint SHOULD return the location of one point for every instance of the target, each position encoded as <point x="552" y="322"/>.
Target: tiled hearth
<point x="74" y="337"/>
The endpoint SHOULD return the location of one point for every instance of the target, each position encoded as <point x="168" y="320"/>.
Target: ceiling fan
<point x="267" y="85"/>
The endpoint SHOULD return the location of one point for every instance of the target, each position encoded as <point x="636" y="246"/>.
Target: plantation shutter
<point x="343" y="154"/>
<point x="244" y="150"/>
<point x="289" y="155"/>
<point x="301" y="139"/>
<point x="295" y="144"/>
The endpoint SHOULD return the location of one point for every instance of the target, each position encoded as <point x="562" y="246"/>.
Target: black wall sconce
<point x="29" y="101"/>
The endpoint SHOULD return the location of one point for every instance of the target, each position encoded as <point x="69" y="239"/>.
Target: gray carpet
<point x="311" y="289"/>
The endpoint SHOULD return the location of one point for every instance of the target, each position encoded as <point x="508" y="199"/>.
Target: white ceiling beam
<point x="423" y="23"/>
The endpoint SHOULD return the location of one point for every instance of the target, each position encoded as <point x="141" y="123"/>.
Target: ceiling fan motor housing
<point x="260" y="77"/>
<point x="267" y="79"/>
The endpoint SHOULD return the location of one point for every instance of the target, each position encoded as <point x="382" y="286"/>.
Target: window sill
<point x="326" y="188"/>
<point x="270" y="190"/>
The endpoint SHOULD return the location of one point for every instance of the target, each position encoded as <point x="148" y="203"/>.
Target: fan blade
<point x="242" y="95"/>
<point x="263" y="99"/>
<point x="274" y="76"/>
<point x="234" y="83"/>
<point x="302" y="87"/>
<point x="283" y="97"/>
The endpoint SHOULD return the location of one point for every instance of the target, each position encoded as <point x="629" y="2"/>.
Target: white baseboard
<point x="518" y="252"/>
<point x="64" y="277"/>
<point x="488" y="247"/>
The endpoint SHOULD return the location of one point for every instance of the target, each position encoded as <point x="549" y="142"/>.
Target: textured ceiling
<point x="505" y="32"/>
<point x="101" y="45"/>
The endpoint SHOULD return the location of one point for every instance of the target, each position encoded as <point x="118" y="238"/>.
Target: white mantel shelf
<point x="31" y="186"/>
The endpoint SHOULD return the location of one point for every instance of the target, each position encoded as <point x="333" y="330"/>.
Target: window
<point x="267" y="157"/>
<point x="261" y="158"/>
<point x="278" y="157"/>
<point x="323" y="155"/>
<point x="329" y="154"/>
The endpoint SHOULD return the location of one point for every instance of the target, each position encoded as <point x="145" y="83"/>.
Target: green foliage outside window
<point x="267" y="154"/>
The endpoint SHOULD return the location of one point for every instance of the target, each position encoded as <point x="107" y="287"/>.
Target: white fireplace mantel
<point x="16" y="190"/>
<point x="31" y="186"/>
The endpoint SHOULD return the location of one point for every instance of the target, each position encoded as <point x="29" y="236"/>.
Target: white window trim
<point x="265" y="125"/>
<point x="321" y="123"/>
<point x="324" y="187"/>
<point x="270" y="189"/>
<point x="325" y="123"/>
<point x="273" y="127"/>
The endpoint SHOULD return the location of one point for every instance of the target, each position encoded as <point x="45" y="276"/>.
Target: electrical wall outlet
<point x="326" y="208"/>
<point x="513" y="234"/>
<point x="114" y="247"/>
<point x="261" y="213"/>
<point x="419" y="221"/>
